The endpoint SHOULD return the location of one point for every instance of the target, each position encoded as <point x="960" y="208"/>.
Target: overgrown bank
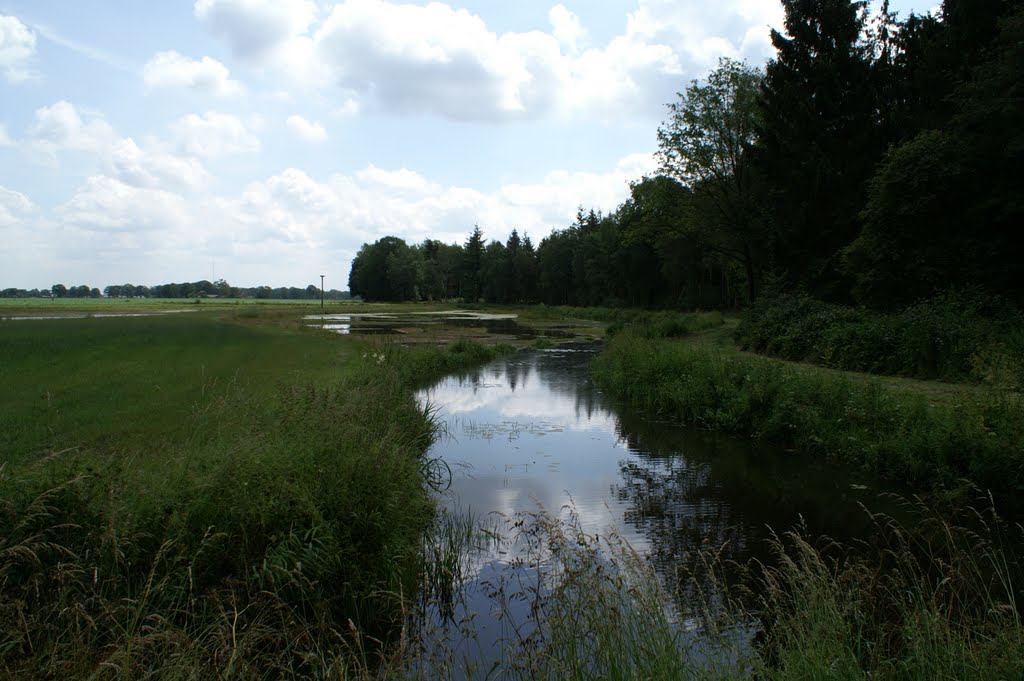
<point x="925" y="444"/>
<point x="228" y="502"/>
<point x="962" y="335"/>
<point x="937" y="596"/>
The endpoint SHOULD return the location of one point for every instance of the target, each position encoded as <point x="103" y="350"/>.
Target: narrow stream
<point x="531" y="432"/>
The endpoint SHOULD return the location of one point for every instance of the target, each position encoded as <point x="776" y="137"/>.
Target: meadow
<point x="207" y="495"/>
<point x="227" y="494"/>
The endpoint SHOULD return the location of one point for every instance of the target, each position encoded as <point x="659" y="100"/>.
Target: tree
<point x="945" y="207"/>
<point x="384" y="270"/>
<point x="472" y="265"/>
<point x="818" y="141"/>
<point x="705" y="145"/>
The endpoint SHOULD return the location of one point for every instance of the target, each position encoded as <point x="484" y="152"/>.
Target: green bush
<point x="957" y="336"/>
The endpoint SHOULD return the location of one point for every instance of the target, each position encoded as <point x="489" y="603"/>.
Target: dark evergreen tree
<point x="472" y="266"/>
<point x="818" y="140"/>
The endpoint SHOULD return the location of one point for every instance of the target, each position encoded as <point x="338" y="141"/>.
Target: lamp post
<point x="322" y="293"/>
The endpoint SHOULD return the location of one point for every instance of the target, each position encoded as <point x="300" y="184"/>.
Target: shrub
<point x="957" y="336"/>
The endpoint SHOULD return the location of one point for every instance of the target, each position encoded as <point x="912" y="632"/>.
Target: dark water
<point x="532" y="431"/>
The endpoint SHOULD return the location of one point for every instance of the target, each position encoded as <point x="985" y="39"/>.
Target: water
<point x="92" y="315"/>
<point x="531" y="432"/>
<point x="443" y="326"/>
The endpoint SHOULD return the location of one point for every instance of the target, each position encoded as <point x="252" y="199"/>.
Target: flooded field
<point x="445" y="326"/>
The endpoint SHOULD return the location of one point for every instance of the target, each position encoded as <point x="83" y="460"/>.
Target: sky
<point x="264" y="141"/>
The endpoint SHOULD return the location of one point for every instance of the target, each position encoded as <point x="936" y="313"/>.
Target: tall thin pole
<point x="322" y="292"/>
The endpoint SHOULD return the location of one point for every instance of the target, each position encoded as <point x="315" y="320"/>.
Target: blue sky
<point x="263" y="141"/>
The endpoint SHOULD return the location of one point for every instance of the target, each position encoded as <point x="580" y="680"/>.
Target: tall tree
<point x="945" y="207"/>
<point x="705" y="145"/>
<point x="472" y="266"/>
<point x="384" y="270"/>
<point x="818" y="141"/>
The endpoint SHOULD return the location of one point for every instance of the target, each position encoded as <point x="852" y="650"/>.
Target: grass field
<point x="210" y="495"/>
<point x="227" y="494"/>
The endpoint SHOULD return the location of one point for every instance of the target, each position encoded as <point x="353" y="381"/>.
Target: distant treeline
<point x="872" y="161"/>
<point x="196" y="289"/>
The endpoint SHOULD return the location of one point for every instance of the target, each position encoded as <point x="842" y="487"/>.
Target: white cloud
<point x="402" y="180"/>
<point x="171" y="69"/>
<point x="5" y="140"/>
<point x="307" y="130"/>
<point x="565" y="26"/>
<point x="153" y="168"/>
<point x="17" y="45"/>
<point x="350" y="107"/>
<point x="434" y="59"/>
<point x="105" y="204"/>
<point x="430" y="59"/>
<point x="288" y="227"/>
<point x="60" y="126"/>
<point x="214" y="135"/>
<point x="256" y="28"/>
<point x="13" y="206"/>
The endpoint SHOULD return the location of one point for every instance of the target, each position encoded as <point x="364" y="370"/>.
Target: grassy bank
<point x="206" y="496"/>
<point x="958" y="336"/>
<point x="927" y="445"/>
<point x="936" y="597"/>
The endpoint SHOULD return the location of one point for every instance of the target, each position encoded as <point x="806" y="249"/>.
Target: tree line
<point x="196" y="289"/>
<point x="873" y="160"/>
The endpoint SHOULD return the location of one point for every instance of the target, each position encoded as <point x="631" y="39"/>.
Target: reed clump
<point x="931" y="597"/>
<point x="571" y="604"/>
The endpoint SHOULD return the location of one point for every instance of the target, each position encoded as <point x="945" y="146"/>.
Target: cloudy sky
<point x="263" y="141"/>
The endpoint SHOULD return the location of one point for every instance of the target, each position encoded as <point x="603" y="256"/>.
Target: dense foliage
<point x="871" y="162"/>
<point x="956" y="336"/>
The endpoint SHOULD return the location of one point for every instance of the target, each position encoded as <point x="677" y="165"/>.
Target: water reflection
<point x="533" y="430"/>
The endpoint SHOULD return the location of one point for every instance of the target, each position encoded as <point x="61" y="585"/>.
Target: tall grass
<point x="571" y="605"/>
<point x="936" y="597"/>
<point x="268" y="525"/>
<point x="651" y="323"/>
<point x="939" y="600"/>
<point x="899" y="434"/>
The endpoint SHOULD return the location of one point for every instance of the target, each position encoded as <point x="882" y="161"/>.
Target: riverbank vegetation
<point x="923" y="441"/>
<point x="956" y="336"/>
<point x="207" y="496"/>
<point x="932" y="596"/>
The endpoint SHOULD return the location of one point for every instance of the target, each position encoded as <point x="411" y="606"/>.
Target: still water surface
<point x="532" y="431"/>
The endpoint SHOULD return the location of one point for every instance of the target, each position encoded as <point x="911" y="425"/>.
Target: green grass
<point x="933" y="600"/>
<point x="927" y="445"/>
<point x="207" y="495"/>
<point x="109" y="382"/>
